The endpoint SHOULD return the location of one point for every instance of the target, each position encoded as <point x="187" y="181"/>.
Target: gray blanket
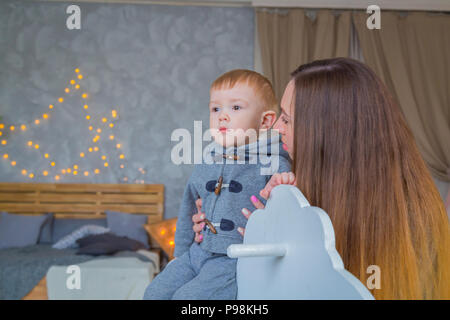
<point x="21" y="269"/>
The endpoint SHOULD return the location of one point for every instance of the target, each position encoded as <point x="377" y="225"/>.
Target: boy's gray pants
<point x="195" y="275"/>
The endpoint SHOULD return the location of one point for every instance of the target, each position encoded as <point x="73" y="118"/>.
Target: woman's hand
<point x="275" y="180"/>
<point x="198" y="219"/>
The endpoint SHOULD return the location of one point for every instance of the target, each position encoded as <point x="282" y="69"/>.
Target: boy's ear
<point x="268" y="118"/>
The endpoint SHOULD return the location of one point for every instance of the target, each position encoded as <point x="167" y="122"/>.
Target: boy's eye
<point x="215" y="109"/>
<point x="284" y="120"/>
<point x="236" y="107"/>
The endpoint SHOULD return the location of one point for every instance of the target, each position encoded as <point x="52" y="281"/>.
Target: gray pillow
<point x="18" y="230"/>
<point x="128" y="225"/>
<point x="64" y="226"/>
<point x="69" y="241"/>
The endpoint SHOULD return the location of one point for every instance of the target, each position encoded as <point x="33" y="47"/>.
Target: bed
<point x="77" y="201"/>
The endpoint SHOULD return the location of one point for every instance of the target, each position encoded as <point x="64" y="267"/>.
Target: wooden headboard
<point x="67" y="200"/>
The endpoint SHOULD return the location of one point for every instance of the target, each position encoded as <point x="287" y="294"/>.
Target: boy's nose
<point x="223" y="116"/>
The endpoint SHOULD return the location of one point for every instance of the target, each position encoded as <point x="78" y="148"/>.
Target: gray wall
<point x="151" y="63"/>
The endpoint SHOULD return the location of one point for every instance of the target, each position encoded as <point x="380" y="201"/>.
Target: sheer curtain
<point x="289" y="38"/>
<point x="411" y="54"/>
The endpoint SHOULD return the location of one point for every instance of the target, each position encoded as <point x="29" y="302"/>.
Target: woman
<point x="354" y="157"/>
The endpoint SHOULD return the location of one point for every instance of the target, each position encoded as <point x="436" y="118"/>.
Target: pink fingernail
<point x="202" y="216"/>
<point x="200" y="237"/>
<point x="254" y="199"/>
<point x="202" y="225"/>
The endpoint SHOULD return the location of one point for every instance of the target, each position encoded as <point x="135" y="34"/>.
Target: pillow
<point x="128" y="225"/>
<point x="107" y="243"/>
<point x="63" y="227"/>
<point x="69" y="241"/>
<point x="46" y="230"/>
<point x="18" y="230"/>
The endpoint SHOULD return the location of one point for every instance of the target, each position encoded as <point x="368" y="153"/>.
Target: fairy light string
<point x="102" y="129"/>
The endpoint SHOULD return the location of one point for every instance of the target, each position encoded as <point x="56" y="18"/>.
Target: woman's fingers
<point x="241" y="231"/>
<point x="198" y="227"/>
<point x="277" y="179"/>
<point x="258" y="204"/>
<point x="246" y="212"/>
<point x="198" y="237"/>
<point x="198" y="217"/>
<point x="198" y="204"/>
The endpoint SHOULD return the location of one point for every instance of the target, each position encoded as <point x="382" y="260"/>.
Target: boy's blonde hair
<point x="260" y="84"/>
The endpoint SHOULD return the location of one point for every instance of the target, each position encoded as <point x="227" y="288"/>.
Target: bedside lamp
<point x="164" y="234"/>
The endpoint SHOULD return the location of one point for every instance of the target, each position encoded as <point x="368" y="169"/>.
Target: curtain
<point x="289" y="38"/>
<point x="411" y="55"/>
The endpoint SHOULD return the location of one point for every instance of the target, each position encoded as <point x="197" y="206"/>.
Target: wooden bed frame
<point x="80" y="201"/>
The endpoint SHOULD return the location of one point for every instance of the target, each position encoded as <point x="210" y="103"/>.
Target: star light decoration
<point x="98" y="128"/>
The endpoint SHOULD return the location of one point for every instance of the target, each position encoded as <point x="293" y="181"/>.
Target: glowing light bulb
<point x="37" y="121"/>
<point x="69" y="170"/>
<point x="61" y="100"/>
<point x="163" y="231"/>
<point x="24" y="172"/>
<point x="86" y="106"/>
<point x="88" y="117"/>
<point x="80" y="76"/>
<point x="67" y="90"/>
<point x="103" y="157"/>
<point x="106" y="164"/>
<point x="96" y="171"/>
<point x="56" y="177"/>
<point x="2" y="126"/>
<point x="1" y="133"/>
<point x="118" y="146"/>
<point x="45" y="173"/>
<point x="72" y="82"/>
<point x="171" y="243"/>
<point x="99" y="130"/>
<point x="46" y="156"/>
<point x="50" y="106"/>
<point x="75" y="167"/>
<point x="13" y="163"/>
<point x="36" y="146"/>
<point x="86" y="173"/>
<point x="52" y="164"/>
<point x="77" y="70"/>
<point x="30" y="143"/>
<point x="82" y="154"/>
<point x="114" y="113"/>
<point x="111" y="137"/>
<point x="12" y="128"/>
<point x="63" y="171"/>
<point x="45" y="116"/>
<point x="84" y="95"/>
<point x="90" y="128"/>
<point x="5" y="156"/>
<point x="23" y="127"/>
<point x="4" y="142"/>
<point x="77" y="86"/>
<point x="111" y="125"/>
<point x="75" y="172"/>
<point x="104" y="119"/>
<point x="122" y="156"/>
<point x="31" y="175"/>
<point x="95" y="148"/>
<point x="90" y="149"/>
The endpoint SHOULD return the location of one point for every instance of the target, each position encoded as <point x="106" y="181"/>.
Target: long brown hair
<point x="355" y="157"/>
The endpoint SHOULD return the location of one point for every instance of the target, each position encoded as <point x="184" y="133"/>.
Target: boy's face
<point x="232" y="109"/>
